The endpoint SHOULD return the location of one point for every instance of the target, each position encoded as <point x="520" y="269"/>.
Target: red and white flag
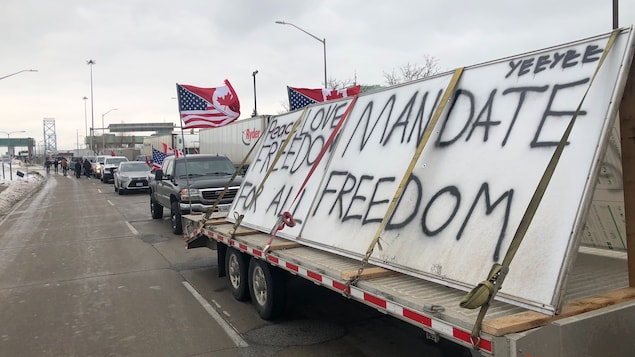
<point x="167" y="149"/>
<point x="301" y="97"/>
<point x="207" y="107"/>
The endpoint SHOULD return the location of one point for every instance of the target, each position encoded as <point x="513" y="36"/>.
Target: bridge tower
<point x="50" y="137"/>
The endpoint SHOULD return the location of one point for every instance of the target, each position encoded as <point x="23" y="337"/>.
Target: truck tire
<point x="266" y="288"/>
<point x="237" y="266"/>
<point x="155" y="209"/>
<point x="175" y="218"/>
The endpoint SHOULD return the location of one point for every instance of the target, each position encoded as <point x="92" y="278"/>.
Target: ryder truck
<point x="234" y="140"/>
<point x="418" y="207"/>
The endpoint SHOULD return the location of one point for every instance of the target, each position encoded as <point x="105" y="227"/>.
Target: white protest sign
<point x="473" y="182"/>
<point x="281" y="189"/>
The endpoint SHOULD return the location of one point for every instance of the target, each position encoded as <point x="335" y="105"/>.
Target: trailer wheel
<point x="237" y="270"/>
<point x="266" y="287"/>
<point x="155" y="209"/>
<point x="175" y="217"/>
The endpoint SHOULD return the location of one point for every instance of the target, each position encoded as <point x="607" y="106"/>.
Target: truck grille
<point x="213" y="193"/>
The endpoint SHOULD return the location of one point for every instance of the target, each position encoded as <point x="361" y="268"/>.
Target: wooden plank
<point x="215" y="222"/>
<point x="531" y="319"/>
<point x="368" y="273"/>
<point x="627" y="132"/>
<point x="242" y="231"/>
<point x="284" y="245"/>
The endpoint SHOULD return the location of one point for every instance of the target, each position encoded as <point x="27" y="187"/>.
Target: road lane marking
<point x="110" y="203"/>
<point x="132" y="229"/>
<point x="233" y="335"/>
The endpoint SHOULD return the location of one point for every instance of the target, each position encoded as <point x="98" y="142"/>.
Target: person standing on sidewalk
<point x="78" y="168"/>
<point x="64" y="166"/>
<point x="55" y="164"/>
<point x="87" y="167"/>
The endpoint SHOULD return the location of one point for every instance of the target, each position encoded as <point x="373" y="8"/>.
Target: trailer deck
<point x="598" y="279"/>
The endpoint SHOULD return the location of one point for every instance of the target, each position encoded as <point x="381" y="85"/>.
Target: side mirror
<point x="158" y="175"/>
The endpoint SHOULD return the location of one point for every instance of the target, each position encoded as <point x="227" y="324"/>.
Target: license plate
<point x="224" y="208"/>
<point x="139" y="184"/>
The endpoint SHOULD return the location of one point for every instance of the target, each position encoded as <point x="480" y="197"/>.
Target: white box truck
<point x="187" y="142"/>
<point x="233" y="140"/>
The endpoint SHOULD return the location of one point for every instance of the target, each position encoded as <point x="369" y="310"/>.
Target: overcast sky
<point x="142" y="48"/>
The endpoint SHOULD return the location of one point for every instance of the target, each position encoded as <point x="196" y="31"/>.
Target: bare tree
<point x="413" y="71"/>
<point x="334" y="83"/>
<point x="285" y="107"/>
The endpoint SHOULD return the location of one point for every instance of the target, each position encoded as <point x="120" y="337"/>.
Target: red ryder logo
<point x="249" y="135"/>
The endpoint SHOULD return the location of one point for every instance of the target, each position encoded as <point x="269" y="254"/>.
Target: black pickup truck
<point x="193" y="187"/>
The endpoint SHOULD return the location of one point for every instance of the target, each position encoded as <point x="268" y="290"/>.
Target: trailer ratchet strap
<point x="275" y="160"/>
<point x="211" y="210"/>
<point x="240" y="217"/>
<point x="286" y="218"/>
<point x="483" y="294"/>
<point x="393" y="204"/>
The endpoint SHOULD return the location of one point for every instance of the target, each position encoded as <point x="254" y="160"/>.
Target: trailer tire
<point x="237" y="266"/>
<point x="266" y="288"/>
<point x="155" y="209"/>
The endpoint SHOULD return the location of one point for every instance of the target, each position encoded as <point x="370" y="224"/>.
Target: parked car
<point x="131" y="176"/>
<point x="73" y="160"/>
<point x="97" y="166"/>
<point x="110" y="165"/>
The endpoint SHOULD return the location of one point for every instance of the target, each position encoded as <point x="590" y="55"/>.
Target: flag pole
<point x="187" y="176"/>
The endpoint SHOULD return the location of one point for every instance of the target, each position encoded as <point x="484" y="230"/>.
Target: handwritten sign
<point x="473" y="182"/>
<point x="282" y="188"/>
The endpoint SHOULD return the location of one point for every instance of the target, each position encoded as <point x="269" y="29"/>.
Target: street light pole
<point x="615" y="14"/>
<point x="92" y="111"/>
<point x="85" y="119"/>
<point x="323" y="41"/>
<point x="9" y="150"/>
<point x="18" y="72"/>
<point x="255" y="107"/>
<point x="103" y="128"/>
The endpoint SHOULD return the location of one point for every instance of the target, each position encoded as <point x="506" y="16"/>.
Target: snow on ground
<point x="13" y="188"/>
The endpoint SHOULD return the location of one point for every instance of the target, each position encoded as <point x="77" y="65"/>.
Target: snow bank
<point x="12" y="191"/>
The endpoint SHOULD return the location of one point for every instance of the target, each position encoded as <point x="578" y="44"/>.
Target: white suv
<point x="111" y="163"/>
<point x="98" y="166"/>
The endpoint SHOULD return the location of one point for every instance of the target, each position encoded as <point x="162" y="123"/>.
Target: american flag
<point x="301" y="97"/>
<point x="157" y="158"/>
<point x="207" y="107"/>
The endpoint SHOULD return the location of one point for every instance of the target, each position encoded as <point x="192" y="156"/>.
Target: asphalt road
<point x="86" y="272"/>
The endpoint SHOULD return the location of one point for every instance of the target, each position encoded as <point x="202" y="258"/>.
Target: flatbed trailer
<point x="596" y="316"/>
<point x="598" y="300"/>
